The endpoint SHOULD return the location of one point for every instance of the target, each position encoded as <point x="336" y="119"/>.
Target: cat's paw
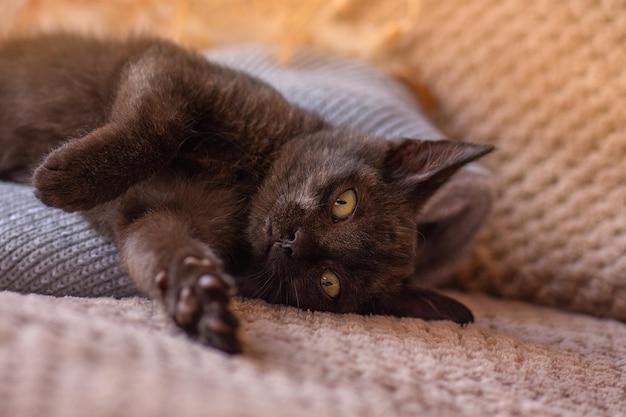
<point x="196" y="294"/>
<point x="72" y="179"/>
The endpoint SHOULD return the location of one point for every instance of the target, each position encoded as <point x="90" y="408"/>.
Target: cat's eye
<point x="345" y="205"/>
<point x="330" y="284"/>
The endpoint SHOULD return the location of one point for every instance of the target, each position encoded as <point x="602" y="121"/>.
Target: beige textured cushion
<point x="546" y="83"/>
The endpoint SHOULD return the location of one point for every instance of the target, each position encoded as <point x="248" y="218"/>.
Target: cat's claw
<point x="197" y="295"/>
<point x="187" y="307"/>
<point x="209" y="283"/>
<point x="220" y="333"/>
<point x="161" y="281"/>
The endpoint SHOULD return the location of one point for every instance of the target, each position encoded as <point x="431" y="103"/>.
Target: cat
<point x="212" y="184"/>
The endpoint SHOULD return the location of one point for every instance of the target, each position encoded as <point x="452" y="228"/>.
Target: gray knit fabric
<point x="47" y="251"/>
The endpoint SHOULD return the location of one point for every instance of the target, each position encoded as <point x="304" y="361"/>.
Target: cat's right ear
<point x="426" y="165"/>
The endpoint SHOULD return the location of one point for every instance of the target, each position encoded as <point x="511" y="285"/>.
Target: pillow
<point x="545" y="83"/>
<point x="47" y="251"/>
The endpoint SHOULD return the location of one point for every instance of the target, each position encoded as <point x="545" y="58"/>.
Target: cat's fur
<point x="201" y="173"/>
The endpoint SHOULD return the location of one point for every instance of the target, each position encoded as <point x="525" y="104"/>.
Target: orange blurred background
<point x="363" y="28"/>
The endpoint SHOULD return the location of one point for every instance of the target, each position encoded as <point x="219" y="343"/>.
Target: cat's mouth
<point x="287" y="252"/>
<point x="282" y="249"/>
<point x="282" y="258"/>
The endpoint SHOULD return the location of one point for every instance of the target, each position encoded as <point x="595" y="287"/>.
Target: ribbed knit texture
<point x="46" y="251"/>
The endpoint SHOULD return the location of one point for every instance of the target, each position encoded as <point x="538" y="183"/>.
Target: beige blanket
<point x="77" y="357"/>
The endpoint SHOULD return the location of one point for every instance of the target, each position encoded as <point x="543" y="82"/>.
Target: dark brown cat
<point x="211" y="182"/>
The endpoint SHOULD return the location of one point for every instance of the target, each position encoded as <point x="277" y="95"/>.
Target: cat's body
<point x="201" y="173"/>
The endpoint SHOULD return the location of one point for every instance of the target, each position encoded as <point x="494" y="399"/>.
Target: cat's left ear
<point x="425" y="304"/>
<point x="426" y="165"/>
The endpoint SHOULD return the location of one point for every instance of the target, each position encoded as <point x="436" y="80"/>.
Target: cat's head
<point x="334" y="224"/>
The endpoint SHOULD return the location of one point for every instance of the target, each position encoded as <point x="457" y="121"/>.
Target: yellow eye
<point x="330" y="284"/>
<point x="344" y="205"/>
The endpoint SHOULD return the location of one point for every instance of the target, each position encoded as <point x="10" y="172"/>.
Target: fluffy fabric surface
<point x="102" y="357"/>
<point x="46" y="251"/>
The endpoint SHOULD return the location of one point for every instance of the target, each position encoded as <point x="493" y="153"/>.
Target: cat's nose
<point x="289" y="242"/>
<point x="288" y="250"/>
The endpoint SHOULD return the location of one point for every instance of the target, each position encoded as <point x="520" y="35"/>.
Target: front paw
<point x="196" y="294"/>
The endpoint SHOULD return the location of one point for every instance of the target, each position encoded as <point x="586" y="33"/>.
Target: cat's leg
<point x="167" y="98"/>
<point x="169" y="264"/>
<point x="148" y="122"/>
<point x="100" y="166"/>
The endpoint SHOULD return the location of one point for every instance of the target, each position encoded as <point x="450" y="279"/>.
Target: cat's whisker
<point x="266" y="286"/>
<point x="372" y="304"/>
<point x="295" y="289"/>
<point x="280" y="289"/>
<point x="264" y="279"/>
<point x="258" y="277"/>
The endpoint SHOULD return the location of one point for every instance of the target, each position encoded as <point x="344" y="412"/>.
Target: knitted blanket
<point x="544" y="82"/>
<point x="47" y="251"/>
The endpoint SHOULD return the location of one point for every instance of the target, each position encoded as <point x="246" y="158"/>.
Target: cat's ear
<point x="426" y="165"/>
<point x="426" y="304"/>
